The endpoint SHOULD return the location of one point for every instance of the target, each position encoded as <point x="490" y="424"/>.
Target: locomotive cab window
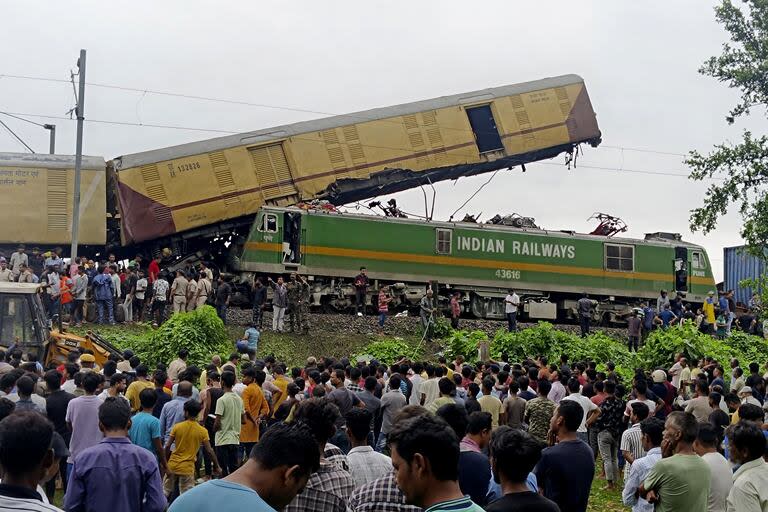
<point x="443" y="241"/>
<point x="697" y="260"/>
<point x="269" y="223"/>
<point x="619" y="257"/>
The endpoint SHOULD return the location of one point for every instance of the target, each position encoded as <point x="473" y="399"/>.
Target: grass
<point x="289" y="348"/>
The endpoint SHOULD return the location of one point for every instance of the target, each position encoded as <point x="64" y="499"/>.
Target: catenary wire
<point x="145" y="91"/>
<point x="175" y="127"/>
<point x="16" y="136"/>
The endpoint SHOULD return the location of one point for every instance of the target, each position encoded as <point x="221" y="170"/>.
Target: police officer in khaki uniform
<point x="191" y="292"/>
<point x="179" y="292"/>
<point x="204" y="288"/>
<point x="5" y="273"/>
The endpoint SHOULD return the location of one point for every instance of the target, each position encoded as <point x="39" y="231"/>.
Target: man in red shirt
<point x="154" y="269"/>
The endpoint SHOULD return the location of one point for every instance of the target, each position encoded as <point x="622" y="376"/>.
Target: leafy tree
<point x="743" y="65"/>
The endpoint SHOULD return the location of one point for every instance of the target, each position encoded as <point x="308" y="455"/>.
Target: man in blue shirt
<point x="103" y="292"/>
<point x="649" y="314"/>
<point x="115" y="475"/>
<point x="249" y="344"/>
<point x="667" y="317"/>
<point x="145" y="428"/>
<point x="173" y="411"/>
<point x="277" y="470"/>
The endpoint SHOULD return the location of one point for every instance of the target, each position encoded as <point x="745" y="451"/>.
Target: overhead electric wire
<point x="145" y="91"/>
<point x="16" y="136"/>
<point x="197" y="129"/>
<point x="473" y="195"/>
<point x="22" y="119"/>
<point x="122" y="123"/>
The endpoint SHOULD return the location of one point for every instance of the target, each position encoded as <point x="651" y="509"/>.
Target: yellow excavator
<point x="24" y="325"/>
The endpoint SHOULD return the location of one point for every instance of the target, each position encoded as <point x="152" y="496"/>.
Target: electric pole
<point x="78" y="153"/>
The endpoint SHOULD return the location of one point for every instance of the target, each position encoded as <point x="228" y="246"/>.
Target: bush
<point x="201" y="332"/>
<point x="389" y="351"/>
<point x="464" y="343"/>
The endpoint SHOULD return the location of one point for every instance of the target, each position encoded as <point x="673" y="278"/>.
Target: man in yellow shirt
<point x="140" y="384"/>
<point x="187" y="436"/>
<point x="256" y="408"/>
<point x="491" y="404"/>
<point x="708" y="308"/>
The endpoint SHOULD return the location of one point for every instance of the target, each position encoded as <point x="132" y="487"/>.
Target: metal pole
<point x="52" y="129"/>
<point x="78" y="154"/>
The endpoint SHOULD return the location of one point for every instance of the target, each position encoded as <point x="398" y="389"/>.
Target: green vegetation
<point x="390" y="350"/>
<point x="741" y="168"/>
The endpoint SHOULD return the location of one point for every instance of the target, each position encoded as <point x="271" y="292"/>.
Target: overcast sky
<point x="639" y="61"/>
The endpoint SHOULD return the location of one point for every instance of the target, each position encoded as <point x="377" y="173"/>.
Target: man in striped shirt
<point x="651" y="430"/>
<point x="631" y="440"/>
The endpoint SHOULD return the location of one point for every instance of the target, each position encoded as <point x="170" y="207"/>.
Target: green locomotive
<point x="548" y="269"/>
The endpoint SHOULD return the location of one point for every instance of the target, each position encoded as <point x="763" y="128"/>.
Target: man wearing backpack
<point x="103" y="291"/>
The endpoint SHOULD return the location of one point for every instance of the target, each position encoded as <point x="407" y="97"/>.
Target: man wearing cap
<point x="87" y="363"/>
<point x="18" y="259"/>
<point x="6" y="275"/>
<point x="745" y="395"/>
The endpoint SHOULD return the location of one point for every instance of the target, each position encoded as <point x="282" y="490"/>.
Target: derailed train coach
<point x="199" y="201"/>
<point x="194" y="197"/>
<point x="550" y="269"/>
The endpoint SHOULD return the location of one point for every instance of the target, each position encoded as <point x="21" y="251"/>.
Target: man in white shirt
<point x="18" y="259"/>
<point x="429" y="392"/>
<point x="721" y="479"/>
<point x="676" y="369"/>
<point x="652" y="431"/>
<point x="511" y="303"/>
<point x="591" y="410"/>
<point x="365" y="464"/>
<point x="416" y="380"/>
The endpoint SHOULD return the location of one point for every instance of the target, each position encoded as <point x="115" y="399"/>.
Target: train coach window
<point x="697" y="260"/>
<point x="269" y="223"/>
<point x="619" y="257"/>
<point x="443" y="241"/>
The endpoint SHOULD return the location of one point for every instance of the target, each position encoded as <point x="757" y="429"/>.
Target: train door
<point x="484" y="127"/>
<point x="681" y="269"/>
<point x="292" y="238"/>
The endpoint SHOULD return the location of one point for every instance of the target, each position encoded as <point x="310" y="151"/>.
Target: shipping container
<point x="741" y="265"/>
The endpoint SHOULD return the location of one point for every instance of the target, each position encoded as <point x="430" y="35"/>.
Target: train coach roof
<point x="494" y="228"/>
<point x="284" y="131"/>
<point x="50" y="161"/>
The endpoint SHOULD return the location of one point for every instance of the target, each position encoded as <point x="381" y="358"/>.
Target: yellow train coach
<point x="36" y="196"/>
<point x="351" y="157"/>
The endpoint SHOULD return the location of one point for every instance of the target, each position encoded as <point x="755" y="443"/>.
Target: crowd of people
<point x="339" y="435"/>
<point x="143" y="292"/>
